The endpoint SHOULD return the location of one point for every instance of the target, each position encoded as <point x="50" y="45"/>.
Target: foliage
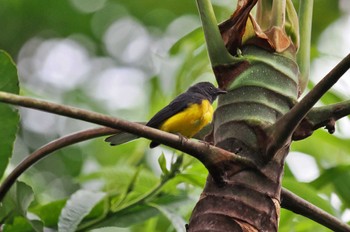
<point x="123" y="188"/>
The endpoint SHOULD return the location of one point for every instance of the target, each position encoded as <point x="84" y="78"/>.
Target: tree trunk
<point x="263" y="87"/>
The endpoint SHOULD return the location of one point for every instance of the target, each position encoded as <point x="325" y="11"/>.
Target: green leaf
<point x="175" y="166"/>
<point x="339" y="177"/>
<point x="13" y="211"/>
<point x="118" y="179"/>
<point x="328" y="150"/>
<point x="191" y="41"/>
<point x="77" y="207"/>
<point x="50" y="212"/>
<point x="330" y="12"/>
<point x="118" y="201"/>
<point x="18" y="199"/>
<point x="140" y="212"/>
<point x="9" y="117"/>
<point x="24" y="196"/>
<point x="162" y="164"/>
<point x="177" y="221"/>
<point x="128" y="217"/>
<point x="21" y="224"/>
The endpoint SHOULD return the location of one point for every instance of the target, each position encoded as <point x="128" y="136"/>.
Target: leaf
<point x="124" y="173"/>
<point x="77" y="207"/>
<point x="177" y="221"/>
<point x="198" y="181"/>
<point x="50" y="212"/>
<point x="17" y="200"/>
<point x="128" y="217"/>
<point x="24" y="196"/>
<point x="140" y="212"/>
<point x="118" y="201"/>
<point x="162" y="164"/>
<point x="13" y="211"/>
<point x="330" y="12"/>
<point x="192" y="41"/>
<point x="328" y="150"/>
<point x="9" y="117"/>
<point x="339" y="177"/>
<point x="23" y="225"/>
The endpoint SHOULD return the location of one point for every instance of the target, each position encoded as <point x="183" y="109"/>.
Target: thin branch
<point x="303" y="56"/>
<point x="49" y="148"/>
<point x="300" y="206"/>
<point x="283" y="129"/>
<point x="324" y="116"/>
<point x="209" y="155"/>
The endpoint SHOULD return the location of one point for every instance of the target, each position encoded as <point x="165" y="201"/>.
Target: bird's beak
<point x="221" y="92"/>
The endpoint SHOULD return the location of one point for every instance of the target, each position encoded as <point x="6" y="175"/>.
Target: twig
<point x="300" y="206"/>
<point x="324" y="116"/>
<point x="283" y="129"/>
<point x="49" y="148"/>
<point x="209" y="155"/>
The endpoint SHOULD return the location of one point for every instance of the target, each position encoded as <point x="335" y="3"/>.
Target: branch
<point x="324" y="116"/>
<point x="300" y="206"/>
<point x="283" y="129"/>
<point x="49" y="148"/>
<point x="210" y="156"/>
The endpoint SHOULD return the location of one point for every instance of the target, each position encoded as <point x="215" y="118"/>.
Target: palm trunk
<point x="262" y="79"/>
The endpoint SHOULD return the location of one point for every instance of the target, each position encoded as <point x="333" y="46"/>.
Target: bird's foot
<point x="206" y="143"/>
<point x="182" y="138"/>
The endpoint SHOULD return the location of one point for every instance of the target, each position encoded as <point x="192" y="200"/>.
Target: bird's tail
<point x="120" y="138"/>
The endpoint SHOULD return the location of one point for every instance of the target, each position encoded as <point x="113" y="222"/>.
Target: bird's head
<point x="207" y="89"/>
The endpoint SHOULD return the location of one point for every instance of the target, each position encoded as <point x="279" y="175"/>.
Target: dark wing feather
<point x="179" y="104"/>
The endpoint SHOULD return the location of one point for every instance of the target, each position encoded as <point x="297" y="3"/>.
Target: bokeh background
<point x="128" y="58"/>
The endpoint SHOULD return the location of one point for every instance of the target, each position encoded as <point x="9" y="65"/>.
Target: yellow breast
<point x="190" y="121"/>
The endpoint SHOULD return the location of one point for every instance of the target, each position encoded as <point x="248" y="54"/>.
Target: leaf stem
<point x="218" y="53"/>
<point x="303" y="55"/>
<point x="278" y="13"/>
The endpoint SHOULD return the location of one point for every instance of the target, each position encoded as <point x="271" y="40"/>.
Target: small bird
<point x="186" y="115"/>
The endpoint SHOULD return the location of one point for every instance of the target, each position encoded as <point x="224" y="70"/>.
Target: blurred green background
<point x="129" y="58"/>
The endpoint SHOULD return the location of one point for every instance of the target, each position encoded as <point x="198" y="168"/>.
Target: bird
<point x="186" y="115"/>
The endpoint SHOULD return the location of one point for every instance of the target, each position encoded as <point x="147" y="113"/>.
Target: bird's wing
<point x="179" y="104"/>
<point x="120" y="138"/>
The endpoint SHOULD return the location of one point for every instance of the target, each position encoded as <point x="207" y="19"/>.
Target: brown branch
<point x="300" y="206"/>
<point x="324" y="116"/>
<point x="210" y="156"/>
<point x="283" y="129"/>
<point x="49" y="148"/>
